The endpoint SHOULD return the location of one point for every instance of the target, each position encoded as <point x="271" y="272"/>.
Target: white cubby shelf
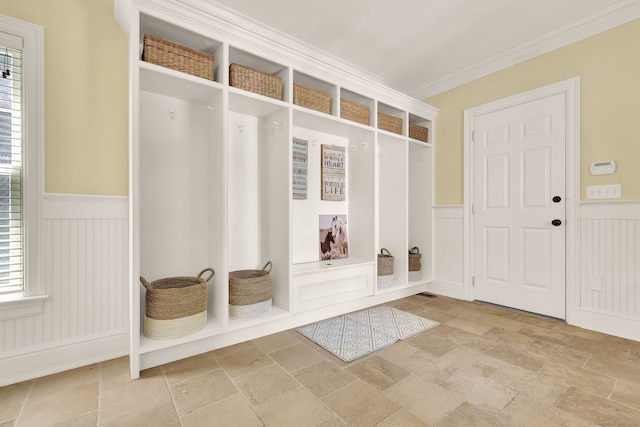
<point x="211" y="178"/>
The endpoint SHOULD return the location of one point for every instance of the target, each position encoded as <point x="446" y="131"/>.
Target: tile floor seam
<point x="24" y="403"/>
<point x="173" y="400"/>
<point x="99" y="414"/>
<point x="301" y="385"/>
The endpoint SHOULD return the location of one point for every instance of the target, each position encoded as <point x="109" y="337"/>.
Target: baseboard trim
<point x="34" y="364"/>
<point x="622" y="327"/>
<point x="451" y="290"/>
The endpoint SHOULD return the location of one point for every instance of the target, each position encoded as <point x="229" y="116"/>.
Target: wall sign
<point x="333" y="176"/>
<point x="300" y="166"/>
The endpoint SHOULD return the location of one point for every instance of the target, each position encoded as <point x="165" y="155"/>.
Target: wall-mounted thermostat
<point x="603" y="168"/>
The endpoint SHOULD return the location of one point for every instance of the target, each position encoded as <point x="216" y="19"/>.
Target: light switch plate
<point x="612" y="191"/>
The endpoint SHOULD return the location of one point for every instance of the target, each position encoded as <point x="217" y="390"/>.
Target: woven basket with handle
<point x="250" y="292"/>
<point x="385" y="263"/>
<point x="415" y="256"/>
<point x="176" y="306"/>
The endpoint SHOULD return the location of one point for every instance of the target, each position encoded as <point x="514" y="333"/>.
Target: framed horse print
<point x="334" y="243"/>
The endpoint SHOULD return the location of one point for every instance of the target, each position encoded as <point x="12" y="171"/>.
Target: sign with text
<point x="333" y="175"/>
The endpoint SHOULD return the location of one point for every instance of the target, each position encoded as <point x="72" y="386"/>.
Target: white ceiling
<point x="423" y="47"/>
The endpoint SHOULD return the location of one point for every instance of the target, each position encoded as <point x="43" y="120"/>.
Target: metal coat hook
<point x="354" y="147"/>
<point x="364" y="144"/>
<point x="240" y="127"/>
<point x="172" y="114"/>
<point x="213" y="110"/>
<point x="274" y="126"/>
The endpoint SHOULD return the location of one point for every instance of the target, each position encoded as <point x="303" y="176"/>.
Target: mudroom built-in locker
<point x="227" y="176"/>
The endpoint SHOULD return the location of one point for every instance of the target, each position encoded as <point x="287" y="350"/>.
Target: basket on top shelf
<point x="385" y="269"/>
<point x="418" y="132"/>
<point x="311" y="98"/>
<point x="353" y="111"/>
<point x="415" y="264"/>
<point x="390" y="123"/>
<point x="255" y="81"/>
<point x="250" y="293"/>
<point x="176" y="306"/>
<point x="177" y="57"/>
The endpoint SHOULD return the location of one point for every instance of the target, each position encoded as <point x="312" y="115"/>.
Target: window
<point x="11" y="242"/>
<point x="21" y="166"/>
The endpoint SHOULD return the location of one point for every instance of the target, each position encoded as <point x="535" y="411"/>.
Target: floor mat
<point x="354" y="335"/>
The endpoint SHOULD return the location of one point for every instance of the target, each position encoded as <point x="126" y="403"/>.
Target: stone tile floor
<point x="483" y="366"/>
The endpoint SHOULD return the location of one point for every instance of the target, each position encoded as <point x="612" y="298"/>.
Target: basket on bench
<point x="176" y="306"/>
<point x="385" y="269"/>
<point x="250" y="293"/>
<point x="415" y="264"/>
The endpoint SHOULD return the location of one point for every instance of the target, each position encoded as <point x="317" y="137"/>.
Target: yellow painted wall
<point x="86" y="107"/>
<point x="609" y="68"/>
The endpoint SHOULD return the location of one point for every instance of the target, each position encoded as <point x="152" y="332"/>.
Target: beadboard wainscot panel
<point x="448" y="247"/>
<point x="610" y="268"/>
<point x="85" y="275"/>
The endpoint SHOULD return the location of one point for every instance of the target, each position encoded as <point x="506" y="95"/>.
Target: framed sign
<point x="300" y="162"/>
<point x="333" y="167"/>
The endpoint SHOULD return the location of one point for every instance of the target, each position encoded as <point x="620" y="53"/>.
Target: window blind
<point x="11" y="218"/>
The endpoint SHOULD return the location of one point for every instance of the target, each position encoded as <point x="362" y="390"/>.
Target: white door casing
<point x="518" y="171"/>
<point x="535" y="232"/>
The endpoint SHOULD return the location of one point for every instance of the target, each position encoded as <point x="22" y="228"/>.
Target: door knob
<point x="556" y="222"/>
<point x="556" y="199"/>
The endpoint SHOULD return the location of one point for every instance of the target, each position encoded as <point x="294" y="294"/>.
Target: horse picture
<point x="333" y="237"/>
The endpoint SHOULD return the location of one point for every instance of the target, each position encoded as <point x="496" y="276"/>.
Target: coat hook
<point x="354" y="147"/>
<point x="213" y="110"/>
<point x="364" y="144"/>
<point x="172" y="114"/>
<point x="240" y="127"/>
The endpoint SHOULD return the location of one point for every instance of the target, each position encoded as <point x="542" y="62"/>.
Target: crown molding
<point x="605" y="19"/>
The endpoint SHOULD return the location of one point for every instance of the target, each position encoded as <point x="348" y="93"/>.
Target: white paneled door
<point x="519" y="206"/>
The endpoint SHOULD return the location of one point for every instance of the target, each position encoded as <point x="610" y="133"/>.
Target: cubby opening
<point x="181" y="169"/>
<point x="182" y="36"/>
<point x="319" y="85"/>
<point x="390" y="119"/>
<point x="392" y="203"/>
<point x="264" y="65"/>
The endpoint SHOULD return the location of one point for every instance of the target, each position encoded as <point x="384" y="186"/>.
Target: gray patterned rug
<point x="354" y="335"/>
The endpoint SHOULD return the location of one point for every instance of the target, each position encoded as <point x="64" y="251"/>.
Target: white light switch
<point x="612" y="191"/>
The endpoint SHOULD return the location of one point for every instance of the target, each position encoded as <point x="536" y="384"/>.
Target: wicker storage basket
<point x="255" y="81"/>
<point x="390" y="123"/>
<point x="177" y="57"/>
<point x="415" y="264"/>
<point x="385" y="269"/>
<point x="176" y="306"/>
<point x="250" y="292"/>
<point x="418" y="132"/>
<point x="313" y="99"/>
<point x="353" y="111"/>
<point x="414" y="259"/>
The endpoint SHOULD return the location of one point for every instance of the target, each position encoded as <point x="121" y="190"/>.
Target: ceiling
<point x="423" y="47"/>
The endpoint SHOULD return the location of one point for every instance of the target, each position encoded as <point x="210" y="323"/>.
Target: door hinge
<point x="473" y="281"/>
<point x="473" y="208"/>
<point x="473" y="135"/>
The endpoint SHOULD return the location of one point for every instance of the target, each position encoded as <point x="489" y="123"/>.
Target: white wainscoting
<point x="610" y="268"/>
<point x="448" y="247"/>
<point x="85" y="275"/>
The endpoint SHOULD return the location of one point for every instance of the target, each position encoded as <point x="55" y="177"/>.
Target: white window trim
<point x="31" y="304"/>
